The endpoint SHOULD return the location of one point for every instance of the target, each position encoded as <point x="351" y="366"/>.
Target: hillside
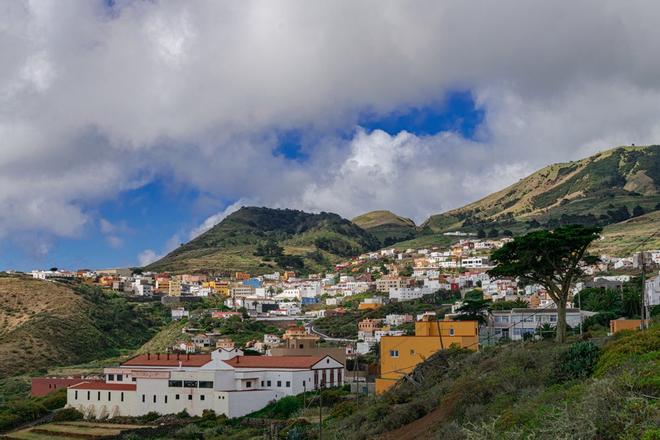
<point x="388" y="227"/>
<point x="625" y="237"/>
<point x="261" y="240"/>
<point x="538" y="390"/>
<point x="45" y="324"/>
<point x="602" y="189"/>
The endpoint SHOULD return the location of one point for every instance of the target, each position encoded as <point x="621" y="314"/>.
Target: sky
<point x="128" y="127"/>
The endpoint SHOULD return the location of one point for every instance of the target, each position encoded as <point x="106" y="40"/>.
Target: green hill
<point x="260" y="240"/>
<point x="599" y="190"/>
<point x="46" y="324"/>
<point x="625" y="237"/>
<point x="388" y="227"/>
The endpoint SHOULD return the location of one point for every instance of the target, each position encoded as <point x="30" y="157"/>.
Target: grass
<point x="68" y="430"/>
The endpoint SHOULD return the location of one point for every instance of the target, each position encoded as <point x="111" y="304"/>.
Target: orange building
<point x="368" y="306"/>
<point x="399" y="355"/>
<point x="617" y="325"/>
<point x="240" y="276"/>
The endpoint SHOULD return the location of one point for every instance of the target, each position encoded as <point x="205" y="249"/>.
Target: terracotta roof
<point x="301" y="362"/>
<point x="168" y="360"/>
<point x="104" y="386"/>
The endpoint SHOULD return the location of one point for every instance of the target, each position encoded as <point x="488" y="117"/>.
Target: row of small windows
<point x="111" y="377"/>
<point x="176" y="397"/>
<point x="268" y="383"/>
<point x="190" y="384"/>
<point x="98" y="396"/>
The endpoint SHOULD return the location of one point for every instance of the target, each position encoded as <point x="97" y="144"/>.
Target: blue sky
<point x="159" y="214"/>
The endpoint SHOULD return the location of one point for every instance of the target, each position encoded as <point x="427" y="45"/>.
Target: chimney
<point x="148" y="356"/>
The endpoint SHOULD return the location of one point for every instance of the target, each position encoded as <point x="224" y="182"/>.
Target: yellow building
<point x="399" y="355"/>
<point x="174" y="287"/>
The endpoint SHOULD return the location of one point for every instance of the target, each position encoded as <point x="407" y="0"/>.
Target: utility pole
<point x="321" y="408"/>
<point x="643" y="315"/>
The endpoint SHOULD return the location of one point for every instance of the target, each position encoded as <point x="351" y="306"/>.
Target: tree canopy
<point x="552" y="259"/>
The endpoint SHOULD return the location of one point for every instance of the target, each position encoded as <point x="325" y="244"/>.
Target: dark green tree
<point x="481" y="233"/>
<point x="493" y="233"/>
<point x="474" y="309"/>
<point x="637" y="211"/>
<point x="553" y="259"/>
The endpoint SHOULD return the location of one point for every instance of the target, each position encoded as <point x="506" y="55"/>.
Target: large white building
<point x="224" y="381"/>
<point x="515" y="323"/>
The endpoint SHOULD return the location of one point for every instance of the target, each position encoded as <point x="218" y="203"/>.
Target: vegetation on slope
<point x="605" y="188"/>
<point x="538" y="390"/>
<point x="44" y="324"/>
<point x="260" y="240"/>
<point x="627" y="236"/>
<point x="388" y="227"/>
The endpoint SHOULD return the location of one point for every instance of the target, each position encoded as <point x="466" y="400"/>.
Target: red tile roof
<point x="168" y="360"/>
<point x="104" y="386"/>
<point x="300" y="362"/>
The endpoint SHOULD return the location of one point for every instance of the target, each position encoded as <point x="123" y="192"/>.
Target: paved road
<point x="326" y="337"/>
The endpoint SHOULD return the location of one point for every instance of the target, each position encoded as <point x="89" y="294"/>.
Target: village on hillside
<point x="366" y="324"/>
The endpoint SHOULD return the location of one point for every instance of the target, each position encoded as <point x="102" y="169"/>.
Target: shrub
<point x="67" y="415"/>
<point x="578" y="361"/>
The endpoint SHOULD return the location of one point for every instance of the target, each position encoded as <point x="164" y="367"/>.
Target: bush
<point x="579" y="361"/>
<point x="67" y="415"/>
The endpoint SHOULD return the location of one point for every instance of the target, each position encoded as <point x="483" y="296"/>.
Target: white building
<point x="409" y="293"/>
<point x="224" y="381"/>
<point x="515" y="323"/>
<point x="179" y="313"/>
<point x="652" y="291"/>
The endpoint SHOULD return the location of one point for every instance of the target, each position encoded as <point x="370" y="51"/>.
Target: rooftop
<point x="296" y="362"/>
<point x="168" y="360"/>
<point x="104" y="386"/>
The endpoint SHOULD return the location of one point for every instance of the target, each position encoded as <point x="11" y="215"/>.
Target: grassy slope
<point x="622" y="176"/>
<point x="387" y="226"/>
<point x="44" y="324"/>
<point x="624" y="237"/>
<point x="165" y="338"/>
<point x="514" y="391"/>
<point x="231" y="244"/>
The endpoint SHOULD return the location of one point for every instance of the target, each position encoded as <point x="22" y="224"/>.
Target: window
<point x="165" y="398"/>
<point x="202" y="397"/>
<point x="120" y="377"/>
<point x="75" y="395"/>
<point x="98" y="396"/>
<point x="88" y="395"/>
<point x="134" y="379"/>
<point x="190" y="383"/>
<point x="176" y="397"/>
<point x="143" y="397"/>
<point x="553" y="318"/>
<point x="304" y="384"/>
<point x="189" y="396"/>
<point x="262" y="383"/>
<point x="121" y="396"/>
<point x="154" y="398"/>
<point x="205" y="384"/>
<point x="109" y="396"/>
<point x="248" y="384"/>
<point x="279" y="383"/>
<point x="412" y="352"/>
<point x="451" y="331"/>
<point x="175" y="383"/>
<point x="394" y="353"/>
<point x="111" y="377"/>
<point x="288" y="384"/>
<point x="268" y="383"/>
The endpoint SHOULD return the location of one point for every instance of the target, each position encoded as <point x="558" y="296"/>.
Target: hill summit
<point x="260" y="240"/>
<point x="388" y="227"/>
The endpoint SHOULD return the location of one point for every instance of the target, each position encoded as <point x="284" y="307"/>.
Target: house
<point x="179" y="313"/>
<point x="516" y="323"/>
<point x="42" y="386"/>
<point x="224" y="381"/>
<point x="396" y="320"/>
<point x="224" y="315"/>
<point x="225" y="343"/>
<point x="400" y="354"/>
<point x="652" y="291"/>
<point x="369" y="325"/>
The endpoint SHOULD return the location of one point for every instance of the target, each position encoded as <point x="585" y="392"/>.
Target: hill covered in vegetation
<point x="261" y="240"/>
<point x="606" y="188"/>
<point x="388" y="227"/>
<point x="45" y="324"/>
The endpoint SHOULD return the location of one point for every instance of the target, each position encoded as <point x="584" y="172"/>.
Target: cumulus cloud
<point x="96" y="100"/>
<point x="147" y="256"/>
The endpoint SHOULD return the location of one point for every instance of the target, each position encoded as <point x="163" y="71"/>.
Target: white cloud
<point x="95" y="102"/>
<point x="147" y="256"/>
<point x="216" y="218"/>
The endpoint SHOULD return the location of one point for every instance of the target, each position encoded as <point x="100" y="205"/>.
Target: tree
<point x="493" y="233"/>
<point x="406" y="271"/>
<point x="507" y="233"/>
<point x="481" y="233"/>
<point x="474" y="309"/>
<point x="553" y="259"/>
<point x="637" y="211"/>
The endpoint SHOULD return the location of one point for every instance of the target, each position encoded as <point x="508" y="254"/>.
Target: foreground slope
<point x="45" y="324"/>
<point x="259" y="240"/>
<point x="538" y="390"/>
<point x="388" y="227"/>
<point x="626" y="237"/>
<point x="597" y="190"/>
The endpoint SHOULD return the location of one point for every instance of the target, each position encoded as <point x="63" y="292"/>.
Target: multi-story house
<point x="514" y="324"/>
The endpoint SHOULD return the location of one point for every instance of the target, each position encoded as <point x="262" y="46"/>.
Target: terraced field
<point x="73" y="430"/>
